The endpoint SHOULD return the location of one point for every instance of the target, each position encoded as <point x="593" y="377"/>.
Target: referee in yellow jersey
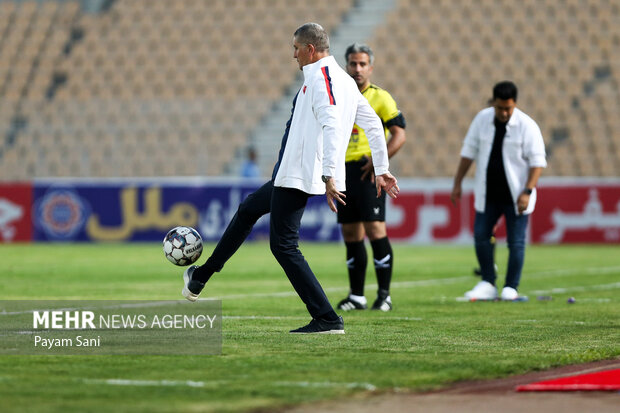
<point x="364" y="213"/>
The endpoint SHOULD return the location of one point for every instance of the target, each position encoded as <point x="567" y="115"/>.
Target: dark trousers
<point x="287" y="206"/>
<point x="516" y="226"/>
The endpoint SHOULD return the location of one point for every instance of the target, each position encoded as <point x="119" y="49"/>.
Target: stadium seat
<point x="153" y="73"/>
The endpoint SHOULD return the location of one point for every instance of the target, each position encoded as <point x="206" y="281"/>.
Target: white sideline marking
<point x="427" y="283"/>
<point x="569" y="271"/>
<point x="581" y="323"/>
<point x="159" y="383"/>
<point x="596" y="287"/>
<point x="191" y="383"/>
<point x="292" y="293"/>
<point x="402" y="284"/>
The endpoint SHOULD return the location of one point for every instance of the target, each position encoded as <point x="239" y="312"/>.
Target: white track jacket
<point x="523" y="148"/>
<point x="327" y="105"/>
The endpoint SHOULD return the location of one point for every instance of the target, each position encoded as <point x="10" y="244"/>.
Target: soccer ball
<point x="182" y="245"/>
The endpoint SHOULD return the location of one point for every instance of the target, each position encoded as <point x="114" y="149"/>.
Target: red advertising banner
<point x="424" y="214"/>
<point x="579" y="212"/>
<point x="15" y="210"/>
<point x="568" y="210"/>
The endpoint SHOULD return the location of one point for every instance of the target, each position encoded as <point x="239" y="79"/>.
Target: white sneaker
<point x="484" y="290"/>
<point x="509" y="294"/>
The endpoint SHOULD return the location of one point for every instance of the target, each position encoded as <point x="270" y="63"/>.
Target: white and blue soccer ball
<point x="182" y="245"/>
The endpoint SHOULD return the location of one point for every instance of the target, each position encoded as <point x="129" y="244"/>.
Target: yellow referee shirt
<point x="385" y="106"/>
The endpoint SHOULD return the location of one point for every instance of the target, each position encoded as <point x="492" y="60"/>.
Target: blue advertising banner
<point x="144" y="210"/>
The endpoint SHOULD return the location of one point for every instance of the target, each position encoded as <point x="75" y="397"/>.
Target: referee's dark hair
<point x="359" y="48"/>
<point x="505" y="90"/>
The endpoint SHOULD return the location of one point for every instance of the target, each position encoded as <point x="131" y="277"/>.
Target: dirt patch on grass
<point x="485" y="396"/>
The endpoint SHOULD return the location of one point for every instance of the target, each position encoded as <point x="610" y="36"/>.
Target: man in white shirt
<point x="310" y="162"/>
<point x="509" y="152"/>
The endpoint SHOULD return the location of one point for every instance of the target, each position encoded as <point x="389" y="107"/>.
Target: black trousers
<point x="287" y="206"/>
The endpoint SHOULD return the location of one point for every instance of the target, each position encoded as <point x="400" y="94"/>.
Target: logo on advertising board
<point x="317" y="224"/>
<point x="15" y="223"/>
<point x="426" y="215"/>
<point x="61" y="213"/>
<point x="577" y="213"/>
<point x="142" y="213"/>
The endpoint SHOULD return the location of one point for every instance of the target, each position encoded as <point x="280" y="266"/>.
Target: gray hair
<point x="360" y="48"/>
<point x="314" y="34"/>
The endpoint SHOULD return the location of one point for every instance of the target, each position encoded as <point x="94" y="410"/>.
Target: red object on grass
<point x="602" y="381"/>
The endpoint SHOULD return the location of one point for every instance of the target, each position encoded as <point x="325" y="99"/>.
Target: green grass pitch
<point x="430" y="339"/>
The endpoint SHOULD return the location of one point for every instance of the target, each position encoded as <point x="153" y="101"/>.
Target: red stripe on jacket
<point x="328" y="84"/>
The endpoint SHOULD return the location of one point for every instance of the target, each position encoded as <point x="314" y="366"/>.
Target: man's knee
<point x="516" y="241"/>
<point x="482" y="232"/>
<point x="353" y="232"/>
<point x="481" y="236"/>
<point x="277" y="243"/>
<point x="282" y="250"/>
<point x="275" y="249"/>
<point x="244" y="208"/>
<point x="247" y="212"/>
<point x="375" y="230"/>
<point x="517" y="233"/>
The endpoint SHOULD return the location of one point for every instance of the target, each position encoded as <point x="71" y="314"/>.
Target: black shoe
<point x="319" y="326"/>
<point x="383" y="301"/>
<point x="348" y="304"/>
<point x="192" y="287"/>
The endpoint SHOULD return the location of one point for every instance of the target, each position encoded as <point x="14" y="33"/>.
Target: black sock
<point x="357" y="259"/>
<point x="202" y="273"/>
<point x="384" y="258"/>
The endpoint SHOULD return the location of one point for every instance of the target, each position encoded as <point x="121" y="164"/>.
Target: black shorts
<point x="362" y="202"/>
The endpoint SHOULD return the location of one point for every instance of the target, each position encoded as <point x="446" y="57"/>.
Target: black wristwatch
<point x="527" y="191"/>
<point x="325" y="178"/>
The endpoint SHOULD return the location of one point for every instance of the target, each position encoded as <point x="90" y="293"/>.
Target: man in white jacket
<point x="310" y="162"/>
<point x="509" y="152"/>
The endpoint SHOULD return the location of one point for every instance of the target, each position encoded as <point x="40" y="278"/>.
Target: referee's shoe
<point x="349" y="304"/>
<point x="322" y="326"/>
<point x="192" y="288"/>
<point x="383" y="301"/>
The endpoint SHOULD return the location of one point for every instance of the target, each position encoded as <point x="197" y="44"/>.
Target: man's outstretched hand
<point x="388" y="183"/>
<point x="332" y="193"/>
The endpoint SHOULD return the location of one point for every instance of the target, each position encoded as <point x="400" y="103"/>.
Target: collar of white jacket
<point x="312" y="67"/>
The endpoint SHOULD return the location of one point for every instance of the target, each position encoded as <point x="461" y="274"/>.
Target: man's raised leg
<point x="250" y="210"/>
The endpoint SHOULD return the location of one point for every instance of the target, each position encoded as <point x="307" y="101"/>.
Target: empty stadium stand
<point x="144" y="88"/>
<point x="150" y="88"/>
<point x="441" y="58"/>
